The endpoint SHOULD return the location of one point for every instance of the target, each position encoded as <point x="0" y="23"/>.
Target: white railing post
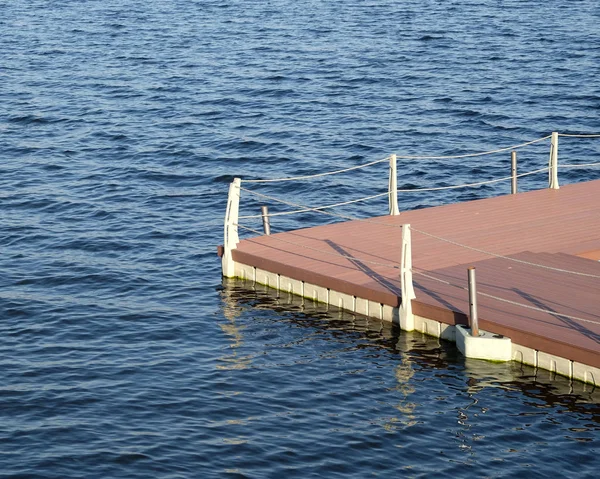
<point x="231" y="238"/>
<point x="393" y="187"/>
<point x="553" y="171"/>
<point x="407" y="320"/>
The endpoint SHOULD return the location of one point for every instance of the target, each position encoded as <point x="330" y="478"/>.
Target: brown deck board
<point x="546" y="227"/>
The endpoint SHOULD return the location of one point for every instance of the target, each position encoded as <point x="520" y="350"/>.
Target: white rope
<point x="306" y="209"/>
<point x="283" y="213"/>
<point x="467" y="185"/>
<point x="583" y="165"/>
<point x="339" y="255"/>
<point x="592" y="135"/>
<point x="353" y="258"/>
<point x="488" y="253"/>
<point x="449" y="157"/>
<point x="548" y="311"/>
<point x="307" y="177"/>
<point x="495" y="255"/>
<point x="471" y="155"/>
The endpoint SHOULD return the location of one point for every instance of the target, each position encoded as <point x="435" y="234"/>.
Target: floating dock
<point x="536" y="255"/>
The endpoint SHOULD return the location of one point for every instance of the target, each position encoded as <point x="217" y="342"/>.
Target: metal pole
<point x="473" y="319"/>
<point x="264" y="210"/>
<point x="513" y="172"/>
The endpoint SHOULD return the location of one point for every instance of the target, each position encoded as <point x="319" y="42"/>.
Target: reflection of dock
<point x="415" y="352"/>
<point x="536" y="255"/>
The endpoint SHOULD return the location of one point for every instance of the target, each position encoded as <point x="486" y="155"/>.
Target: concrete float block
<point x="267" y="278"/>
<point x="488" y="346"/>
<point x="361" y="306"/>
<point x="375" y="310"/>
<point x="245" y="272"/>
<point x="341" y="300"/>
<point x="448" y="332"/>
<point x="555" y="364"/>
<point x="587" y="374"/>
<point x="389" y="313"/>
<point x="290" y="285"/>
<point x="316" y="293"/>
<point x="524" y="355"/>
<point x="427" y="326"/>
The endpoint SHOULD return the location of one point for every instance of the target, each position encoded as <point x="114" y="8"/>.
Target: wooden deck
<point x="556" y="228"/>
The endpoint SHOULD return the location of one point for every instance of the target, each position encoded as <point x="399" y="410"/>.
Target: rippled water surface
<point x="122" y="352"/>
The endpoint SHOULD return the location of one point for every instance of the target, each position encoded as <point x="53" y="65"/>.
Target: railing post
<point x="407" y="320"/>
<point x="553" y="171"/>
<point x="393" y="187"/>
<point x="264" y="210"/>
<point x="473" y="318"/>
<point x="513" y="172"/>
<point x="231" y="238"/>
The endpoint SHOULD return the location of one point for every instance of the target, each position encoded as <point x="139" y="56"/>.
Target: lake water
<point x="124" y="354"/>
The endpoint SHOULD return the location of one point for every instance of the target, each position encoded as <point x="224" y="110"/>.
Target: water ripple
<point x="123" y="355"/>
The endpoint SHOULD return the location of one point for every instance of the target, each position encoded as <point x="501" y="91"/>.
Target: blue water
<point x="122" y="352"/>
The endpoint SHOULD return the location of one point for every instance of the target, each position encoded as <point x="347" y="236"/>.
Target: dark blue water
<point x="122" y="353"/>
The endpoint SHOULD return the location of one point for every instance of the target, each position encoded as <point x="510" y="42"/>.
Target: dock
<point x="536" y="255"/>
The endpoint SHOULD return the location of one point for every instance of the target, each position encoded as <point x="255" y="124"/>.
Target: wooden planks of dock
<point x="532" y="236"/>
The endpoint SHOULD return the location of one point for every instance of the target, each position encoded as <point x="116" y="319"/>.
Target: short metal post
<point x="264" y="210"/>
<point x="553" y="166"/>
<point x="513" y="172"/>
<point x="473" y="319"/>
<point x="393" y="187"/>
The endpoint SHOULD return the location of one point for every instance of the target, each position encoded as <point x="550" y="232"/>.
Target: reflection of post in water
<point x="231" y="311"/>
<point x="404" y="372"/>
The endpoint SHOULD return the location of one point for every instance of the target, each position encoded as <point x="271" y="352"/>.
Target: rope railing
<point x="232" y="220"/>
<point x="305" y="210"/>
<point x="299" y="208"/>
<point x="317" y="175"/>
<point x="469" y="185"/>
<point x="380" y="195"/>
<point x="580" y="135"/>
<point x="473" y="155"/>
<point x="504" y="300"/>
<point x="455" y="243"/>
<point x="582" y="165"/>
<point x="328" y="253"/>
<point x="401" y="157"/>
<point x="429" y="276"/>
<point x="496" y="255"/>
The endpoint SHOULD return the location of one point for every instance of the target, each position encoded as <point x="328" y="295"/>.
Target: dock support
<point x="393" y="187"/>
<point x="553" y="171"/>
<point x="513" y="172"/>
<point x="477" y="344"/>
<point x="407" y="320"/>
<point x="231" y="238"/>
<point x="264" y="210"/>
